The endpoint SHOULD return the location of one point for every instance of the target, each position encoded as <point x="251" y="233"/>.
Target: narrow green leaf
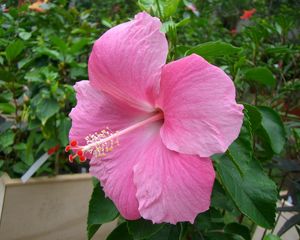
<point x="101" y="210"/>
<point x="213" y="49"/>
<point x="279" y="50"/>
<point x="14" y="49"/>
<point x="7" y="108"/>
<point x="141" y="229"/>
<point x="261" y="75"/>
<point x="183" y="22"/>
<point x="120" y="233"/>
<point x="273" y="127"/>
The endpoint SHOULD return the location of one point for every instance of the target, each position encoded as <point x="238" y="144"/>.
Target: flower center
<point x="104" y="141"/>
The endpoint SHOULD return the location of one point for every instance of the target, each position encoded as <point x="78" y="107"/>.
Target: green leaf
<point x="168" y="232"/>
<point x="20" y="167"/>
<point x="271" y="237"/>
<point x="51" y="53"/>
<point x="215" y="49"/>
<point x="46" y="108"/>
<point x="63" y="131"/>
<point x="168" y="26"/>
<point x="79" y="45"/>
<point x="253" y="193"/>
<point x="34" y="76"/>
<point x="7" y="139"/>
<point x="60" y="44"/>
<point x="167" y="8"/>
<point x="1" y="163"/>
<point x="14" y="49"/>
<point x="101" y="210"/>
<point x="261" y="75"/>
<point x="121" y="232"/>
<point x="279" y="50"/>
<point x="6" y="76"/>
<point x="26" y="61"/>
<point x="238" y="229"/>
<point x="91" y="230"/>
<point x="254" y="116"/>
<point x="7" y="108"/>
<point x="209" y="220"/>
<point x="25" y="35"/>
<point x="240" y="151"/>
<point x="141" y="229"/>
<point x="223" y="236"/>
<point x="273" y="127"/>
<point x="245" y="181"/>
<point x="219" y="199"/>
<point x="183" y="22"/>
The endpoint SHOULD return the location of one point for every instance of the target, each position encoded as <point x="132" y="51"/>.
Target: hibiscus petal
<point x="126" y="61"/>
<point x="172" y="187"/>
<point x="116" y="171"/>
<point x="97" y="110"/>
<point x="200" y="111"/>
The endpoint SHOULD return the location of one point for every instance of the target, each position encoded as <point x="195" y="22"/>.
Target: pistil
<point x="100" y="143"/>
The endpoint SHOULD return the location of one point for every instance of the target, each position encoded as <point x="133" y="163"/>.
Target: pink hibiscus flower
<point x="150" y="127"/>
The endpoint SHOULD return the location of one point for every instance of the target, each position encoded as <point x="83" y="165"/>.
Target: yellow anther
<point x="101" y="142"/>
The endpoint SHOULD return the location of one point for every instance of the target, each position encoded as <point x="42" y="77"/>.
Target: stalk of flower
<point x="149" y="127"/>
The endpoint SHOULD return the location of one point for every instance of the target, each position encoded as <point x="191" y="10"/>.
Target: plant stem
<point x="241" y="217"/>
<point x="158" y="9"/>
<point x="181" y="232"/>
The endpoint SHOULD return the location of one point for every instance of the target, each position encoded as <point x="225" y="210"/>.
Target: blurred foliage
<point x="44" y="52"/>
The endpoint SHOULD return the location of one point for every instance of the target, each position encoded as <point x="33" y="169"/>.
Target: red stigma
<point x="73" y="143"/>
<point x="80" y="153"/>
<point x="67" y="149"/>
<point x="71" y="158"/>
<point x="82" y="158"/>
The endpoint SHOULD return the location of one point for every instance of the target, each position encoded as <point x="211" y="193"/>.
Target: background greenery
<point x="44" y="52"/>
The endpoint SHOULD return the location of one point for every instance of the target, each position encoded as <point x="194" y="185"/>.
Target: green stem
<point x="158" y="9"/>
<point x="181" y="232"/>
